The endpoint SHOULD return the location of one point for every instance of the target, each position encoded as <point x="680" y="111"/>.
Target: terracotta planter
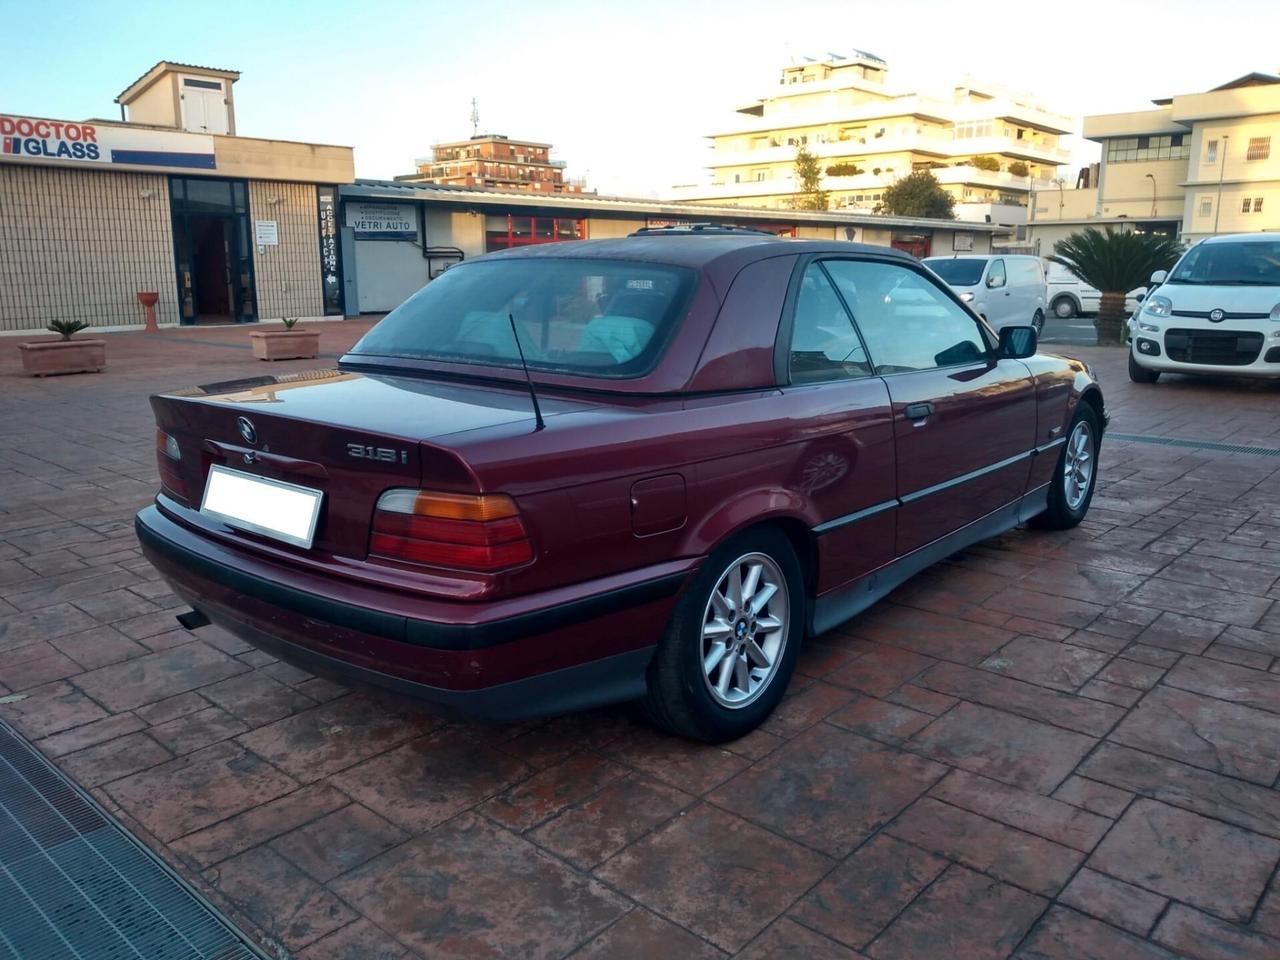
<point x="46" y="358"/>
<point x="285" y="344"/>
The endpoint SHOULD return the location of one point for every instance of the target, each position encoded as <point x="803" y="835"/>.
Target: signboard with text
<point x="266" y="233"/>
<point x="67" y="143"/>
<point x="330" y="275"/>
<point x="382" y="221"/>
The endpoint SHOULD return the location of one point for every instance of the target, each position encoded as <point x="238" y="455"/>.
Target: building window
<point x="1246" y="205"/>
<point x="1257" y="204"/>
<point x="1259" y="148"/>
<point x="1211" y="152"/>
<point x="502" y="232"/>
<point x="1206" y="206"/>
<point x="1175" y="146"/>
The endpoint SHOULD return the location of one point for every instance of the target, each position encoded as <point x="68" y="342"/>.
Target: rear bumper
<point x="486" y="662"/>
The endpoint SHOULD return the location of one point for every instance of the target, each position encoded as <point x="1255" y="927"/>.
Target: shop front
<point x="221" y="228"/>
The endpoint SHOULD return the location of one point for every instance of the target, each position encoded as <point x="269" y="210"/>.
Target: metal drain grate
<point x="1196" y="444"/>
<point x="75" y="885"/>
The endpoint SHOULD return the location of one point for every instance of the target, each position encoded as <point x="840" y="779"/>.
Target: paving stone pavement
<point x="1055" y="745"/>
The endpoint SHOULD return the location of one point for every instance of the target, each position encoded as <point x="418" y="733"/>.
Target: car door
<point x="840" y="410"/>
<point x="964" y="419"/>
<point x="997" y="307"/>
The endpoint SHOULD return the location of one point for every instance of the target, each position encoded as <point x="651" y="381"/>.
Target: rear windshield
<point x="1231" y="264"/>
<point x="597" y="318"/>
<point x="959" y="272"/>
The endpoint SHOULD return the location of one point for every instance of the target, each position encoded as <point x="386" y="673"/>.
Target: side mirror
<point x="1139" y="297"/>
<point x="1017" y="343"/>
<point x="1159" y="277"/>
<point x="994" y="282"/>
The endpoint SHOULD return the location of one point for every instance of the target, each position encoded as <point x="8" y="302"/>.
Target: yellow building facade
<point x="1197" y="165"/>
<point x="987" y="146"/>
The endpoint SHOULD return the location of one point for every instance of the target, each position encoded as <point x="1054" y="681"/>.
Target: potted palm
<point x="286" y="344"/>
<point x="43" y="358"/>
<point x="1113" y="264"/>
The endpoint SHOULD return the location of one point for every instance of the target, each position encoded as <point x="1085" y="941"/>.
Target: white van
<point x="1217" y="311"/>
<point x="1069" y="296"/>
<point x="1003" y="290"/>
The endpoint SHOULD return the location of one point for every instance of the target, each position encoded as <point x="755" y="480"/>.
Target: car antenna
<point x="539" y="423"/>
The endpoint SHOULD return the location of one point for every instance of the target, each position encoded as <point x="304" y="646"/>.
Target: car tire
<point x="1064" y="308"/>
<point x="1139" y="373"/>
<point x="1037" y="321"/>
<point x="714" y="700"/>
<point x="1075" y="475"/>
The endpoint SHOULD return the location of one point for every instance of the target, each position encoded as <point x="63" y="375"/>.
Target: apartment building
<point x="496" y="162"/>
<point x="987" y="146"/>
<point x="1197" y="165"/>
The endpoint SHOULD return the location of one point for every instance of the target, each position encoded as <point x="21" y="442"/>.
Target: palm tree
<point x="1113" y="264"/>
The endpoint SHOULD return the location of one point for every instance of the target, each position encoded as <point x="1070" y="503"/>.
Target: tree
<point x="811" y="196"/>
<point x="1113" y="264"/>
<point x="918" y="195"/>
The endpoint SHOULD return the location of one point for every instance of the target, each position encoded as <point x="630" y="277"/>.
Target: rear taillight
<point x="169" y="455"/>
<point x="464" y="532"/>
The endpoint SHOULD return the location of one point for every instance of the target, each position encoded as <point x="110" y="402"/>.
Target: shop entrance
<point x="212" y="251"/>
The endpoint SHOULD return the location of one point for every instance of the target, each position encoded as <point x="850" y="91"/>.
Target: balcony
<point x="783" y="185"/>
<point x="913" y="142"/>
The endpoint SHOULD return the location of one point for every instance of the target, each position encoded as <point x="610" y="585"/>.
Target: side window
<point x="995" y="276"/>
<point x="824" y="344"/>
<point x="907" y="321"/>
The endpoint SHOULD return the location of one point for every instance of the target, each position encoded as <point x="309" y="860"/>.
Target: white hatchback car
<point x="1217" y="311"/>
<point x="1004" y="290"/>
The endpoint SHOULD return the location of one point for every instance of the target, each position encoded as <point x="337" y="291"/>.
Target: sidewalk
<point x="1056" y="745"/>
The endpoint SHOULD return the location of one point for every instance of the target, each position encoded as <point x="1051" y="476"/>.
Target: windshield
<point x="595" y="317"/>
<point x="1227" y="264"/>
<point x="958" y="271"/>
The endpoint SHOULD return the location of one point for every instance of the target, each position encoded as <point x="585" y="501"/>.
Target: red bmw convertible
<point x="645" y="468"/>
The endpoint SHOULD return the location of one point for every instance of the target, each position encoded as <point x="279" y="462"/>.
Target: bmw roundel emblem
<point x="247" y="430"/>
<point x="1215" y="316"/>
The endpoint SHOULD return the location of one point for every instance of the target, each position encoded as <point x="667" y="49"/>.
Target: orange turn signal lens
<point x="448" y="506"/>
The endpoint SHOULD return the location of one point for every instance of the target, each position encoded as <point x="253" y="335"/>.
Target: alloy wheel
<point x="1078" y="464"/>
<point x="744" y="630"/>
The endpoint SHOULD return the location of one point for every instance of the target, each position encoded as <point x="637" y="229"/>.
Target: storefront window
<point x="503" y="232"/>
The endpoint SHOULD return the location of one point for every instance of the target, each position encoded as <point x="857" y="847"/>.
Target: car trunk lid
<point x="348" y="435"/>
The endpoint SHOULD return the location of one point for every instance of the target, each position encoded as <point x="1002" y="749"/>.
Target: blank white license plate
<point x="272" y="508"/>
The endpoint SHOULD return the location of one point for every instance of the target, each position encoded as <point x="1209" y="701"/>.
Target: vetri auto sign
<point x="382" y="221"/>
<point x="33" y="139"/>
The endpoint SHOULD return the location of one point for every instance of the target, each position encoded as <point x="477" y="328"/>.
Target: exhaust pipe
<point x="193" y="619"/>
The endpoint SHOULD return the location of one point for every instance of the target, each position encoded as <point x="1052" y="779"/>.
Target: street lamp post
<point x="1152" y="178"/>
<point x="1222" y="166"/>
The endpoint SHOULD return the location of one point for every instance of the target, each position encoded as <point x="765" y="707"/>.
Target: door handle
<point x="917" y="411"/>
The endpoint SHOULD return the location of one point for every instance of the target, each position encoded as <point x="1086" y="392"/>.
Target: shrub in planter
<point x="985" y="163"/>
<point x="286" y="344"/>
<point x="45" y="358"/>
<point x="1019" y="169"/>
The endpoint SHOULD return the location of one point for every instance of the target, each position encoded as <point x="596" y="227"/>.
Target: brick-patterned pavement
<point x="1053" y="746"/>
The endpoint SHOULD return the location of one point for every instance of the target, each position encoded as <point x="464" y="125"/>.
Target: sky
<point x="625" y="91"/>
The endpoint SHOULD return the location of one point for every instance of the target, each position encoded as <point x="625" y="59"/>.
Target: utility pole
<point x="1152" y="178"/>
<point x="1222" y="166"/>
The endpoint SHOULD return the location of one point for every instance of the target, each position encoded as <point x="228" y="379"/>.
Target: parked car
<point x="721" y="444"/>
<point x="1069" y="296"/>
<point x="1004" y="290"/>
<point x="1217" y="311"/>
